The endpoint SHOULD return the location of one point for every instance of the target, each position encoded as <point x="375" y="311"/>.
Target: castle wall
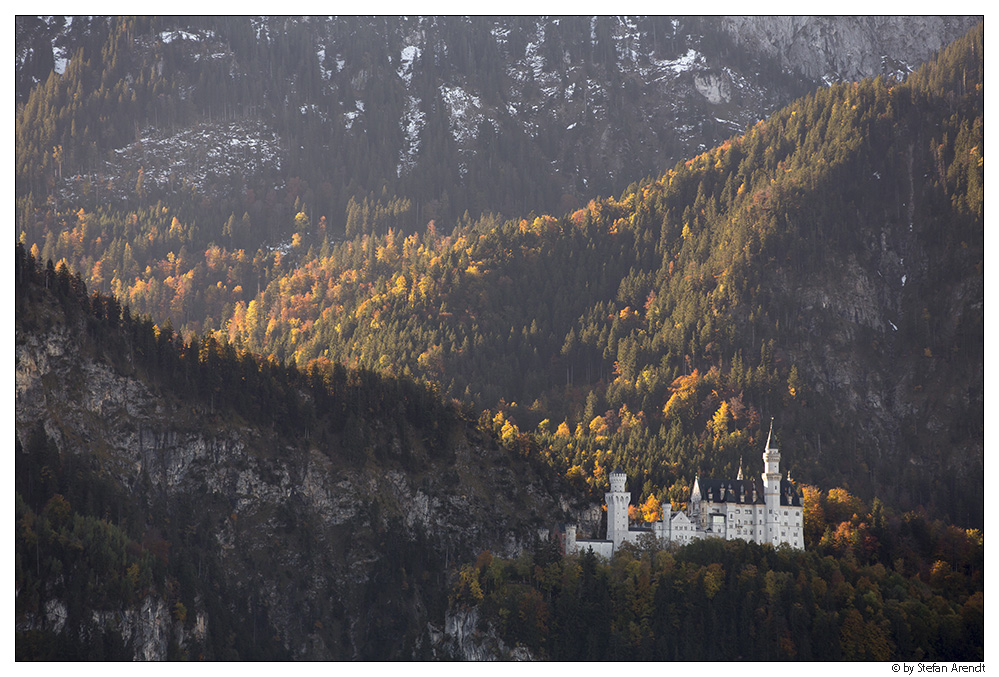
<point x="756" y="523"/>
<point x="603" y="548"/>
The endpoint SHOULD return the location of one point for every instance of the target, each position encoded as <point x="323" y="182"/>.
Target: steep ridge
<point x="238" y="537"/>
<point x="455" y="113"/>
<point x="837" y="49"/>
<point x="825" y="268"/>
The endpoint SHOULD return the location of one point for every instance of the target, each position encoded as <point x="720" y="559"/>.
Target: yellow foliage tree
<point x="599" y="427"/>
<point x="575" y="474"/>
<point x="814" y="515"/>
<point x="467" y="589"/>
<point x="841" y="505"/>
<point x="721" y="421"/>
<point x="652" y="509"/>
<point x="509" y="433"/>
<point x="685" y="396"/>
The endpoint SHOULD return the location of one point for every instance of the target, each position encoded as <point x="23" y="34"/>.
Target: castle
<point x="764" y="509"/>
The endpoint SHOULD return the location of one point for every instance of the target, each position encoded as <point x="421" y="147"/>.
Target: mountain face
<point x="824" y="267"/>
<point x="477" y="114"/>
<point x="354" y="222"/>
<point x="845" y="48"/>
<point x="270" y="541"/>
<point x="172" y="166"/>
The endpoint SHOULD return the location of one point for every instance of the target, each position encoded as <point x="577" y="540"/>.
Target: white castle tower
<point x="771" y="489"/>
<point x="617" y="508"/>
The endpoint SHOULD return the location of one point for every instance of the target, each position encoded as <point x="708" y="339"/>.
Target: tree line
<point x="871" y="585"/>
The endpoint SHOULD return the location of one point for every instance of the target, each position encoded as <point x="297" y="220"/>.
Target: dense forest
<point x="652" y="330"/>
<point x="824" y="268"/>
<point x="872" y="584"/>
<point x="100" y="549"/>
<point x="878" y="587"/>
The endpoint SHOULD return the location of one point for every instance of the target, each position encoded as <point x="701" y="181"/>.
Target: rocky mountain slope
<point x="475" y="113"/>
<point x="846" y="48"/>
<point x="826" y="268"/>
<point x="273" y="546"/>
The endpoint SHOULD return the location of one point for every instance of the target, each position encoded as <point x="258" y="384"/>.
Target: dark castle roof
<point x="741" y="491"/>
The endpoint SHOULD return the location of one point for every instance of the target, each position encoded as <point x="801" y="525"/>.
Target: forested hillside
<point x="824" y="267"/>
<point x="181" y="499"/>
<point x="900" y="588"/>
<point x="452" y="113"/>
<point x="163" y="513"/>
<point x="418" y="252"/>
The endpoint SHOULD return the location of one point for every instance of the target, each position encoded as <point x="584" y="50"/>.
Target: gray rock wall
<point x="846" y="48"/>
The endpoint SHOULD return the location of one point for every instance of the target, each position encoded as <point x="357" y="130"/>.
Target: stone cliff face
<point x="867" y="348"/>
<point x="336" y="560"/>
<point x="468" y="642"/>
<point x="604" y="101"/>
<point x="147" y="626"/>
<point x="328" y="558"/>
<point x="846" y="48"/>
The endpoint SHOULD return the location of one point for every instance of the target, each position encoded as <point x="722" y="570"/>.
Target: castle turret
<point x="663" y="530"/>
<point x="618" y="501"/>
<point x="618" y="479"/>
<point x="570" y="539"/>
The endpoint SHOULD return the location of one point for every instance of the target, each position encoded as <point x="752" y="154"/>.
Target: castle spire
<point x="739" y="476"/>
<point x="770" y="452"/>
<point x="771" y="489"/>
